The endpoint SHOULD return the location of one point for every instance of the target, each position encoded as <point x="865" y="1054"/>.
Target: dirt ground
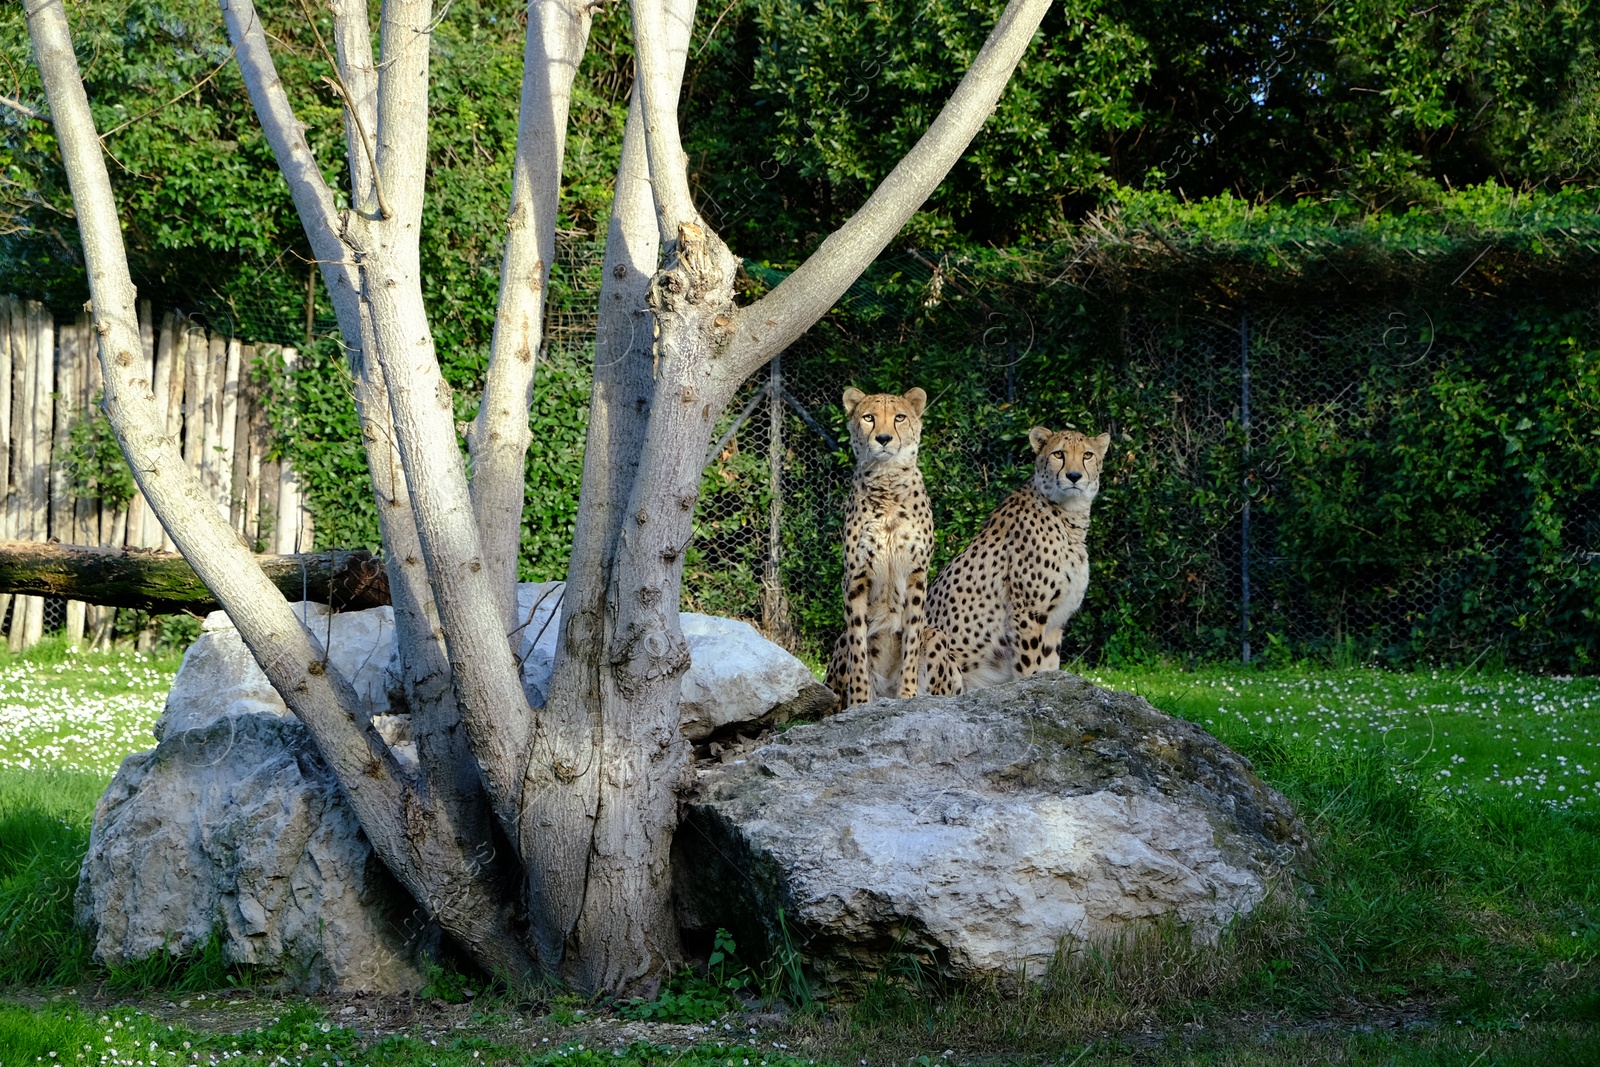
<point x="528" y="1028"/>
<point x="375" y="1016"/>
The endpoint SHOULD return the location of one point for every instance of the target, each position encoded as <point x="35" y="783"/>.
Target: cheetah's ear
<point x="852" y="397"/>
<point x="917" y="399"/>
<point x="1103" y="444"/>
<point x="1038" y="437"/>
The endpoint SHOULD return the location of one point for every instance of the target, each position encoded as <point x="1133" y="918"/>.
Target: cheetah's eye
<point x="899" y="417"/>
<point x="1058" y="454"/>
<point x="867" y="419"/>
<point x="1088" y="455"/>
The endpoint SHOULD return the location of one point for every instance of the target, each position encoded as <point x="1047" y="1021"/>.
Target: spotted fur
<point x="888" y="537"/>
<point x="937" y="673"/>
<point x="1006" y="599"/>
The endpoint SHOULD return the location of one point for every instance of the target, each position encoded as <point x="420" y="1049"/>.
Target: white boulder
<point x="735" y="675"/>
<point x="235" y="828"/>
<point x="977" y="832"/>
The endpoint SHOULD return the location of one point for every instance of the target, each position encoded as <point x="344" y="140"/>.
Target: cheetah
<point x="888" y="537"/>
<point x="1005" y="600"/>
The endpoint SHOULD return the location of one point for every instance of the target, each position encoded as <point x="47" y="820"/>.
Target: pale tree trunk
<point x="451" y="877"/>
<point x="447" y="763"/>
<point x="584" y="789"/>
<point x="387" y="146"/>
<point x="558" y="34"/>
<point x="570" y="724"/>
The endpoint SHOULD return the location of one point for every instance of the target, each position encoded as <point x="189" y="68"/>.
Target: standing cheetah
<point x="888" y="537"/>
<point x="1005" y="600"/>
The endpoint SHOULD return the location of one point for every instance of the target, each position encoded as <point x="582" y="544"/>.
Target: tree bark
<point x="163" y="582"/>
<point x="450" y="877"/>
<point x="588" y="715"/>
<point x="558" y="34"/>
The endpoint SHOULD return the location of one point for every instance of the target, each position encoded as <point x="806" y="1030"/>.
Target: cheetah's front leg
<point x="911" y="631"/>
<point x="858" y="659"/>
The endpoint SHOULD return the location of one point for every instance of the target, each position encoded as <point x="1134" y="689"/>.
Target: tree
<point x="538" y="838"/>
<point x="1370" y="101"/>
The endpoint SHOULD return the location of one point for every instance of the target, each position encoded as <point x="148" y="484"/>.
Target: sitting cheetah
<point x="888" y="536"/>
<point x="1005" y="600"/>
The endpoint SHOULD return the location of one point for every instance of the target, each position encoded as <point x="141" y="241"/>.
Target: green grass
<point x="302" y="1037"/>
<point x="44" y="832"/>
<point x="1488" y="734"/>
<point x="67" y="720"/>
<point x="1454" y="893"/>
<point x="79" y="711"/>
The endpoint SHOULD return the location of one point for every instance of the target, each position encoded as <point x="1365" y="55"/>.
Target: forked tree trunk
<point x="583" y="789"/>
<point x="453" y="877"/>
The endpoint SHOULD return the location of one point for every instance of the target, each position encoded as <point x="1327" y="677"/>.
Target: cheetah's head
<point x="885" y="429"/>
<point x="1066" y="465"/>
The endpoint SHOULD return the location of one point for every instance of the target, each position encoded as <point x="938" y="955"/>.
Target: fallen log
<point x="162" y="582"/>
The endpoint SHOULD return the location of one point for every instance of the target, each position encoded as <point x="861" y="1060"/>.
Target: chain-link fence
<point x="1408" y="483"/>
<point x="1407" y="477"/>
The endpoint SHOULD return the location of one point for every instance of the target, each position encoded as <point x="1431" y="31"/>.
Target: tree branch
<point x="17" y="105"/>
<point x="772" y="323"/>
<point x="196" y="87"/>
<point x="355" y="80"/>
<point x="558" y="33"/>
<point x="286" y="651"/>
<point x="620" y="407"/>
<point x="313" y="201"/>
<point x="492" y="703"/>
<point x="404" y="30"/>
<point x="457" y="663"/>
<point x="655" y="22"/>
<point x="352" y="40"/>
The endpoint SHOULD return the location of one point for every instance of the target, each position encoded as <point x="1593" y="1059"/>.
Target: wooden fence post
<point x="268" y="472"/>
<point x="227" y="401"/>
<point x="216" y="382"/>
<point x="214" y="410"/>
<point x="41" y="353"/>
<point x="289" y="512"/>
<point x="196" y="357"/>
<point x="237" y="435"/>
<point x="64" y="473"/>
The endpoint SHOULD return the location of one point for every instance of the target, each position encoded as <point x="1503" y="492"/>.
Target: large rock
<point x="234" y="827"/>
<point x="219" y="676"/>
<point x="978" y="831"/>
<point x="736" y="677"/>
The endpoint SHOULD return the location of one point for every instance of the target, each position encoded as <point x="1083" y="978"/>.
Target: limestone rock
<point x="735" y="677"/>
<point x="734" y="671"/>
<point x="220" y="676"/>
<point x="235" y="827"/>
<point x="978" y="831"/>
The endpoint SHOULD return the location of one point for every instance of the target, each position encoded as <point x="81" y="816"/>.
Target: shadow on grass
<point x="44" y="832"/>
